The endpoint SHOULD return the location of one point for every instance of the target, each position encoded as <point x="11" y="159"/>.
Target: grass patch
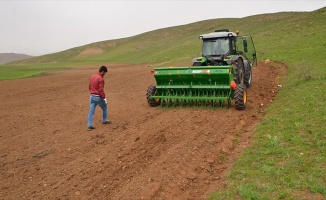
<point x="16" y="71"/>
<point x="12" y="72"/>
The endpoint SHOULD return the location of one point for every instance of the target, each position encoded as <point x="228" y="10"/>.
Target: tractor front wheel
<point x="240" y="97"/>
<point x="152" y="101"/>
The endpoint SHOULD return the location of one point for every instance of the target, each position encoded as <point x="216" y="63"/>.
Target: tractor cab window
<point x="216" y="46"/>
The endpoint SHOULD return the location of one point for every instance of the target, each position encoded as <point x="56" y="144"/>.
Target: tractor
<point x="223" y="72"/>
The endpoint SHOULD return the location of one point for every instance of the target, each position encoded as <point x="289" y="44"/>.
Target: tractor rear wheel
<point x="248" y="75"/>
<point x="152" y="101"/>
<point x="239" y="72"/>
<point x="240" y="97"/>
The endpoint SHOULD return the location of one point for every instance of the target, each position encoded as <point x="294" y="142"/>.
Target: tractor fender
<point x="235" y="57"/>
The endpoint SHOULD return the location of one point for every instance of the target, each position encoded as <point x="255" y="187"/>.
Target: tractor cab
<point x="217" y="46"/>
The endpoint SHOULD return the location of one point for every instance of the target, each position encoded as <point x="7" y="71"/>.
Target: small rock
<point x="267" y="61"/>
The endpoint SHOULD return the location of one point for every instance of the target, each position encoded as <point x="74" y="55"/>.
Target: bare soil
<point x="46" y="151"/>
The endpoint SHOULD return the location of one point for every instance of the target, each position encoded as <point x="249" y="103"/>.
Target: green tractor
<point x="222" y="73"/>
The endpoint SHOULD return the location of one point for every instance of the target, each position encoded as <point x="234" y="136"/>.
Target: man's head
<point x="103" y="70"/>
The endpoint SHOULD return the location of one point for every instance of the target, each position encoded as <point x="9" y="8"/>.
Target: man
<point x="96" y="88"/>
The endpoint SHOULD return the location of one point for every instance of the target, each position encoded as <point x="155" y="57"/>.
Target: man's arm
<point x="101" y="88"/>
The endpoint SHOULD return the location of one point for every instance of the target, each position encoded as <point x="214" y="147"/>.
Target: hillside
<point x="273" y="34"/>
<point x="10" y="57"/>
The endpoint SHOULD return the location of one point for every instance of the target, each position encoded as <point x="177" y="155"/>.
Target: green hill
<point x="290" y="37"/>
<point x="10" y="57"/>
<point x="287" y="157"/>
<point x="274" y="34"/>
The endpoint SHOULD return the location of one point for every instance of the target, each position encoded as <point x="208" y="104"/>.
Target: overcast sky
<point x="43" y="27"/>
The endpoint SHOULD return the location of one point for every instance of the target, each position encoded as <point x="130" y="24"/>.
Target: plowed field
<point x="46" y="151"/>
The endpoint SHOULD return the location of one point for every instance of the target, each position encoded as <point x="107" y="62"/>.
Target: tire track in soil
<point x="147" y="153"/>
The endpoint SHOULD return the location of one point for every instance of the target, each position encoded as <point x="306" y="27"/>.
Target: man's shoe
<point x="107" y="122"/>
<point x="91" y="128"/>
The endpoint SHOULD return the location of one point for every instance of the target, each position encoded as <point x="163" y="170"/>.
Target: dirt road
<point x="46" y="151"/>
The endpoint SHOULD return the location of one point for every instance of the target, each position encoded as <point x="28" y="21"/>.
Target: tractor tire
<point x="248" y="75"/>
<point x="197" y="64"/>
<point x="239" y="72"/>
<point x="240" y="97"/>
<point x="151" y="101"/>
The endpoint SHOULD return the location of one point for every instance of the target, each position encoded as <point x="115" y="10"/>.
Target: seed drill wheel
<point x="248" y="75"/>
<point x="150" y="92"/>
<point x="240" y="97"/>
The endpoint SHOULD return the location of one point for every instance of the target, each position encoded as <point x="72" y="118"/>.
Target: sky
<point x="44" y="26"/>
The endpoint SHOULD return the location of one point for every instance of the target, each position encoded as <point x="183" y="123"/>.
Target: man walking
<point x="96" y="88"/>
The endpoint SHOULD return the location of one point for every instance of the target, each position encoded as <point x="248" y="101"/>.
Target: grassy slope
<point x="287" y="159"/>
<point x="287" y="156"/>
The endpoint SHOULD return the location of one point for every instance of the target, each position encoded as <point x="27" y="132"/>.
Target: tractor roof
<point x="217" y="35"/>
